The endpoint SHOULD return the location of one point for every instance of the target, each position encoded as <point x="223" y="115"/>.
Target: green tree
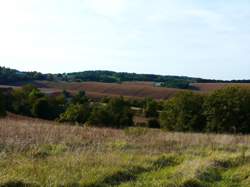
<point x="100" y="116"/>
<point x="76" y="113"/>
<point x="115" y="114"/>
<point x="22" y="99"/>
<point x="41" y="108"/>
<point x="80" y="98"/>
<point x="151" y="108"/>
<point x="34" y="95"/>
<point x="184" y="112"/>
<point x="228" y="110"/>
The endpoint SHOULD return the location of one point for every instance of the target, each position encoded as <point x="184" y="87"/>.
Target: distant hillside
<point x="8" y="76"/>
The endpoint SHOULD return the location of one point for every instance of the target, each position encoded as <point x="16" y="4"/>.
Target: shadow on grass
<point x="18" y="184"/>
<point x="121" y="177"/>
<point x="132" y="174"/>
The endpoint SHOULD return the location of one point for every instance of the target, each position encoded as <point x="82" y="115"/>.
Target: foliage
<point x="80" y="98"/>
<point x="29" y="101"/>
<point x="8" y="75"/>
<point x="228" y="110"/>
<point x="23" y="98"/>
<point x="177" y="83"/>
<point x="184" y="112"/>
<point x="41" y="108"/>
<point x="76" y="113"/>
<point x="12" y="76"/>
<point x="114" y="114"/>
<point x="151" y="108"/>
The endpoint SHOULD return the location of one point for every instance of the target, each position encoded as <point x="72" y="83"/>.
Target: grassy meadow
<point x="40" y="153"/>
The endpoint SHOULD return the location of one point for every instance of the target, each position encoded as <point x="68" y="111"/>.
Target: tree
<point x="34" y="95"/>
<point x="228" y="110"/>
<point x="2" y="106"/>
<point x="76" y="113"/>
<point x="80" y="98"/>
<point x="23" y="99"/>
<point x="184" y="112"/>
<point x="151" y="108"/>
<point x="41" y="109"/>
<point x="100" y="116"/>
<point x="115" y="114"/>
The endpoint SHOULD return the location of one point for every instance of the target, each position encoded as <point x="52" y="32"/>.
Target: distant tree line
<point x="10" y="76"/>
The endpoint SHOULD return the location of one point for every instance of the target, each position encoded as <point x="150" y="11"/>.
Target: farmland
<point x="41" y="153"/>
<point x="208" y="87"/>
<point x="132" y="90"/>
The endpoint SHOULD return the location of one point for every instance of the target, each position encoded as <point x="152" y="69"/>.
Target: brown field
<point x="134" y="90"/>
<point x="128" y="89"/>
<point x="206" y="87"/>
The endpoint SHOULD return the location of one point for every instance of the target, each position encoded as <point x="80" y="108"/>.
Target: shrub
<point x="115" y="114"/>
<point x="151" y="108"/>
<point x="228" y="110"/>
<point x="76" y="113"/>
<point x="184" y="112"/>
<point x="80" y="98"/>
<point x="100" y="116"/>
<point x="42" y="109"/>
<point x="21" y="103"/>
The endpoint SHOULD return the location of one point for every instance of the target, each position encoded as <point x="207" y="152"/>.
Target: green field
<point x="40" y="153"/>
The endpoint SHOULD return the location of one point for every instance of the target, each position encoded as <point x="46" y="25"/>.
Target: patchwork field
<point x="40" y="153"/>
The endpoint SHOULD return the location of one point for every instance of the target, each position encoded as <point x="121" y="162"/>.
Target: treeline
<point x="223" y="111"/>
<point x="74" y="109"/>
<point x="8" y="76"/>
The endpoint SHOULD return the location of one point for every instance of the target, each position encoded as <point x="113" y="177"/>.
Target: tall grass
<point x="40" y="153"/>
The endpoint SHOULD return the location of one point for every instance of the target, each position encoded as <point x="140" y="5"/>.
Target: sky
<point x="198" y="38"/>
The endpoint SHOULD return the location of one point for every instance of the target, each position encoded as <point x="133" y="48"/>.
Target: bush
<point x="42" y="109"/>
<point x="228" y="110"/>
<point x="22" y="100"/>
<point x="184" y="112"/>
<point x="115" y="114"/>
<point x="151" y="108"/>
<point x="100" y="116"/>
<point x="80" y="98"/>
<point x="76" y="113"/>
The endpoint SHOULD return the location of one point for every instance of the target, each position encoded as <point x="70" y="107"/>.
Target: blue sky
<point x="200" y="38"/>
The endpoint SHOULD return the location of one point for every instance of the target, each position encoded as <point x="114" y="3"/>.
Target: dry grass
<point x="41" y="153"/>
<point x="22" y="132"/>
